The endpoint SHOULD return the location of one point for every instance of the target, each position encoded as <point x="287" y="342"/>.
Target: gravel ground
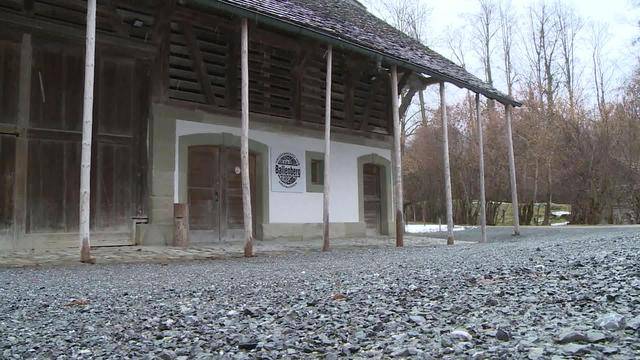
<point x="533" y="298"/>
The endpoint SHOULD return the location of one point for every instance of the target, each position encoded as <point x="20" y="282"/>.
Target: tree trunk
<point x="547" y="210"/>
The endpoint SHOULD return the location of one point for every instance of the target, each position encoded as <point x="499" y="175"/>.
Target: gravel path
<point x="531" y="298"/>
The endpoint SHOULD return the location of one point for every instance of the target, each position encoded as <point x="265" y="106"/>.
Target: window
<point x="315" y="171"/>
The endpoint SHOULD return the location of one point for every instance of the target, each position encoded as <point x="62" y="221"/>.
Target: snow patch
<point x="429" y="228"/>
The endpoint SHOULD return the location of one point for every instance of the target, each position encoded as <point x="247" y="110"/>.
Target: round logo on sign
<point x="288" y="169"/>
<point x="238" y="170"/>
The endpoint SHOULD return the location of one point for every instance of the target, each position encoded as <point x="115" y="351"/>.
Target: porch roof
<point x="348" y="24"/>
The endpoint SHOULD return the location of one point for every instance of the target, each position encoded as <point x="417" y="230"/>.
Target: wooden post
<point x="181" y="222"/>
<point x="244" y="141"/>
<point x="87" y="127"/>
<point x="483" y="201"/>
<point x="512" y="171"/>
<point x="397" y="157"/>
<point x="445" y="159"/>
<point x="22" y="144"/>
<point x="327" y="151"/>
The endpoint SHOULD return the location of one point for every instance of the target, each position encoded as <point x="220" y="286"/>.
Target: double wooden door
<point x="214" y="185"/>
<point x="372" y="193"/>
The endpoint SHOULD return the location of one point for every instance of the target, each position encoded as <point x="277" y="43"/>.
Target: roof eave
<point x="340" y="42"/>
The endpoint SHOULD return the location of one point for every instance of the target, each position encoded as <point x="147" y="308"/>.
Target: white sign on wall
<point x="287" y="170"/>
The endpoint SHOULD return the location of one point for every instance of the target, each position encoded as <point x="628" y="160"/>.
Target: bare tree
<point x="507" y="29"/>
<point x="486" y="29"/>
<point x="569" y="27"/>
<point x="601" y="76"/>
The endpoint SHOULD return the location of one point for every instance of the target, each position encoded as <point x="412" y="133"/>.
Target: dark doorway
<point x="372" y="197"/>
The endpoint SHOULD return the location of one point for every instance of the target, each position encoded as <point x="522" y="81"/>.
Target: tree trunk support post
<point x="445" y="159"/>
<point x="483" y="201"/>
<point x="327" y="151"/>
<point x="244" y="140"/>
<point x="512" y="171"/>
<point x="397" y="158"/>
<point x="87" y="129"/>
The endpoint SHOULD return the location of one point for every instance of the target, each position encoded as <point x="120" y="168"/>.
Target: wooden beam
<point x="244" y="139"/>
<point x="198" y="63"/>
<point x="377" y="84"/>
<point x="327" y="150"/>
<point x="406" y="101"/>
<point x="404" y="80"/>
<point x="447" y="169"/>
<point x="48" y="29"/>
<point x="397" y="157"/>
<point x="428" y="82"/>
<point x="87" y="130"/>
<point x="115" y="20"/>
<point x="233" y="58"/>
<point x="298" y="79"/>
<point x="22" y="142"/>
<point x="354" y="69"/>
<point x="512" y="173"/>
<point x="483" y="201"/>
<point x="160" y="35"/>
<point x="28" y="7"/>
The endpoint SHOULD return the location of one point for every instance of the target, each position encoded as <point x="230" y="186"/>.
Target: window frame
<point x="310" y="156"/>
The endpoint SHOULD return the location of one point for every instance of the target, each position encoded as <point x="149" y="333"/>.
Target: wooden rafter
<point x="198" y="63"/>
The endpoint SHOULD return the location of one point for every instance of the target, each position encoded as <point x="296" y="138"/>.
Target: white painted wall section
<point x="300" y="207"/>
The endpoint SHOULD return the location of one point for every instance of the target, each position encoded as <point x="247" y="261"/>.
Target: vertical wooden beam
<point x="161" y="37"/>
<point x="22" y="144"/>
<point x="87" y="127"/>
<point x="445" y="159"/>
<point x="397" y="157"/>
<point x="244" y="140"/>
<point x="512" y="173"/>
<point x="327" y="150"/>
<point x="199" y="66"/>
<point x="483" y="201"/>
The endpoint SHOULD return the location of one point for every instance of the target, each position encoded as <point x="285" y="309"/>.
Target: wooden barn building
<point x="167" y="110"/>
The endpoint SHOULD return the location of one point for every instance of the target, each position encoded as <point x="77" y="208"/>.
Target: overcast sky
<point x="620" y="16"/>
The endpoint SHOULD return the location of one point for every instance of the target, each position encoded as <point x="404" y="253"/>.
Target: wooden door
<point x="233" y="215"/>
<point x="9" y="83"/>
<point x="372" y="197"/>
<point x="7" y="183"/>
<point x="54" y="145"/>
<point x="203" y="188"/>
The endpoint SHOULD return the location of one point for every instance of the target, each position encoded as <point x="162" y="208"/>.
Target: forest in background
<point x="576" y="139"/>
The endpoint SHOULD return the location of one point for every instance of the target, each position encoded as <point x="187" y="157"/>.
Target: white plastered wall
<point x="297" y="208"/>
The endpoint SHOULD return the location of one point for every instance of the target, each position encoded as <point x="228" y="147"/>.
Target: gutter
<point x="298" y="29"/>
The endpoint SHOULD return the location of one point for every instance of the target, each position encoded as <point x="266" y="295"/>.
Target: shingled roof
<point x="351" y="24"/>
